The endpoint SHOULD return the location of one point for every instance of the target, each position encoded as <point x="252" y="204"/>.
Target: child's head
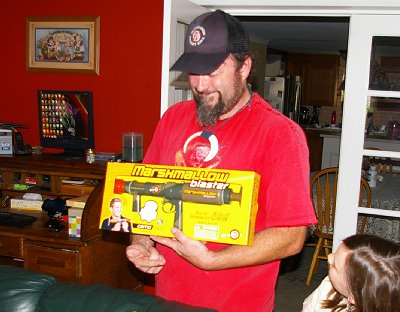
<point x="366" y="270"/>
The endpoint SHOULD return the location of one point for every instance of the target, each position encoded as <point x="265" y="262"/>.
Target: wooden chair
<point x="323" y="190"/>
<point x="365" y="200"/>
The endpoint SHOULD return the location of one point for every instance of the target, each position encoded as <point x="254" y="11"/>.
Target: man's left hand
<point x="189" y="249"/>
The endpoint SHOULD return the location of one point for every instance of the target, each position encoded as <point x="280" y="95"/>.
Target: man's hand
<point x="145" y="256"/>
<point x="189" y="249"/>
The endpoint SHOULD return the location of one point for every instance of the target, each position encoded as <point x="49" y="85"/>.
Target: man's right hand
<point x="142" y="253"/>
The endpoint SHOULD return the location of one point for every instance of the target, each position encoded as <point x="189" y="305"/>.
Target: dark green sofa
<point x="26" y="291"/>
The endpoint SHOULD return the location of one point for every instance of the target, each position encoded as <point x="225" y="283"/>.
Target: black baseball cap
<point x="210" y="38"/>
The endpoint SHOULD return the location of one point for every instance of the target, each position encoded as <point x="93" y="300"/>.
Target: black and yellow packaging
<point x="213" y="205"/>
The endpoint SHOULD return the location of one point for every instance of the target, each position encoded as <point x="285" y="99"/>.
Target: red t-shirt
<point x="258" y="139"/>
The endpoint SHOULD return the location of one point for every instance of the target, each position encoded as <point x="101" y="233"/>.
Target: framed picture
<point x="63" y="44"/>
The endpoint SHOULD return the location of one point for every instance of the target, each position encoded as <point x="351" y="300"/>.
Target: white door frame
<point x="362" y="30"/>
<point x="185" y="10"/>
<point x="353" y="116"/>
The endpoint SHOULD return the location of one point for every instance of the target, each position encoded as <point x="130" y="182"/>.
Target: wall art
<point x="63" y="44"/>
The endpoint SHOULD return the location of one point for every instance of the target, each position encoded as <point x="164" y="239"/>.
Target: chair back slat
<point x="319" y="203"/>
<point x="327" y="203"/>
<point x="334" y="200"/>
<point x="365" y="200"/>
<point x="323" y="193"/>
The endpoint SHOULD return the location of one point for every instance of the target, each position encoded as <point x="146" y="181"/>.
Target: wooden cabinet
<point x="315" y="141"/>
<point x="320" y="77"/>
<point x="68" y="259"/>
<point x="10" y="246"/>
<point x="320" y="84"/>
<point x="63" y="263"/>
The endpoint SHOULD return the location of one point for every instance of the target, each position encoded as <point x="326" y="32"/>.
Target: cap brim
<point x="199" y="63"/>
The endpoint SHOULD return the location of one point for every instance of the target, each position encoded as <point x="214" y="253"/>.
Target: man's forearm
<point x="269" y="245"/>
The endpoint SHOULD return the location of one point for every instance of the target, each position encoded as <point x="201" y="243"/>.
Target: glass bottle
<point x="333" y="118"/>
<point x="395" y="130"/>
<point x="90" y="156"/>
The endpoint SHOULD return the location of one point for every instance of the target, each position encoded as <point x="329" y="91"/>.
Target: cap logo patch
<point x="197" y="36"/>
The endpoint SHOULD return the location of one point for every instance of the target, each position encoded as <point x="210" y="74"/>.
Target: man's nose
<point x="200" y="82"/>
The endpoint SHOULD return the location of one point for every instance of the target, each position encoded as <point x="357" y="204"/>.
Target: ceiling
<point x="320" y="35"/>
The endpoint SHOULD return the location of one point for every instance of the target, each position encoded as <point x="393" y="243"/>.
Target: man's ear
<point x="246" y="68"/>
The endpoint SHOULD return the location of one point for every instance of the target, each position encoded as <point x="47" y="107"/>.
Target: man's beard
<point x="208" y="115"/>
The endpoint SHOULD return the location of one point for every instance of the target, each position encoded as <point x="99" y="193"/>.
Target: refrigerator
<point x="284" y="94"/>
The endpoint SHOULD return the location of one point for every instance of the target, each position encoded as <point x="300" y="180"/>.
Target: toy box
<point x="206" y="204"/>
<point x="29" y="201"/>
<point x="26" y="204"/>
<point x="75" y="211"/>
<point x="74" y="221"/>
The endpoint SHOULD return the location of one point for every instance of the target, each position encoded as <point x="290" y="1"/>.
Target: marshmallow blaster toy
<point x="174" y="195"/>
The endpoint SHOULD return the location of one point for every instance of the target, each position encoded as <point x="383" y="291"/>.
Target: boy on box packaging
<point x="228" y="126"/>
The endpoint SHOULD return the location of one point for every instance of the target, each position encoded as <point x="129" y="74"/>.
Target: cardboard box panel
<point x="207" y="204"/>
<point x="26" y="204"/>
<point x="74" y="221"/>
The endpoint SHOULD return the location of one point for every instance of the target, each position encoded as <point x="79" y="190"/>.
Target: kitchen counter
<point x="331" y="147"/>
<point x="381" y="138"/>
<point x="315" y="143"/>
<point x="324" y="129"/>
<point x="338" y="131"/>
<point x="324" y="145"/>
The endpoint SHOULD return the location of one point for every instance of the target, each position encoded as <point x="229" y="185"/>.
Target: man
<point x="228" y="126"/>
<point x="116" y="222"/>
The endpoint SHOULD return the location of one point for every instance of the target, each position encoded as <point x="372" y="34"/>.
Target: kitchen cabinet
<point x="320" y="77"/>
<point x="330" y="151"/>
<point x="315" y="143"/>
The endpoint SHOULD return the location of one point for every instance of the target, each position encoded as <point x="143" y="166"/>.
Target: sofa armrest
<point x="21" y="290"/>
<point x="101" y="298"/>
<point x="26" y="291"/>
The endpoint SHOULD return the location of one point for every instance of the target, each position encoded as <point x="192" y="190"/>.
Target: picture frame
<point x="63" y="44"/>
